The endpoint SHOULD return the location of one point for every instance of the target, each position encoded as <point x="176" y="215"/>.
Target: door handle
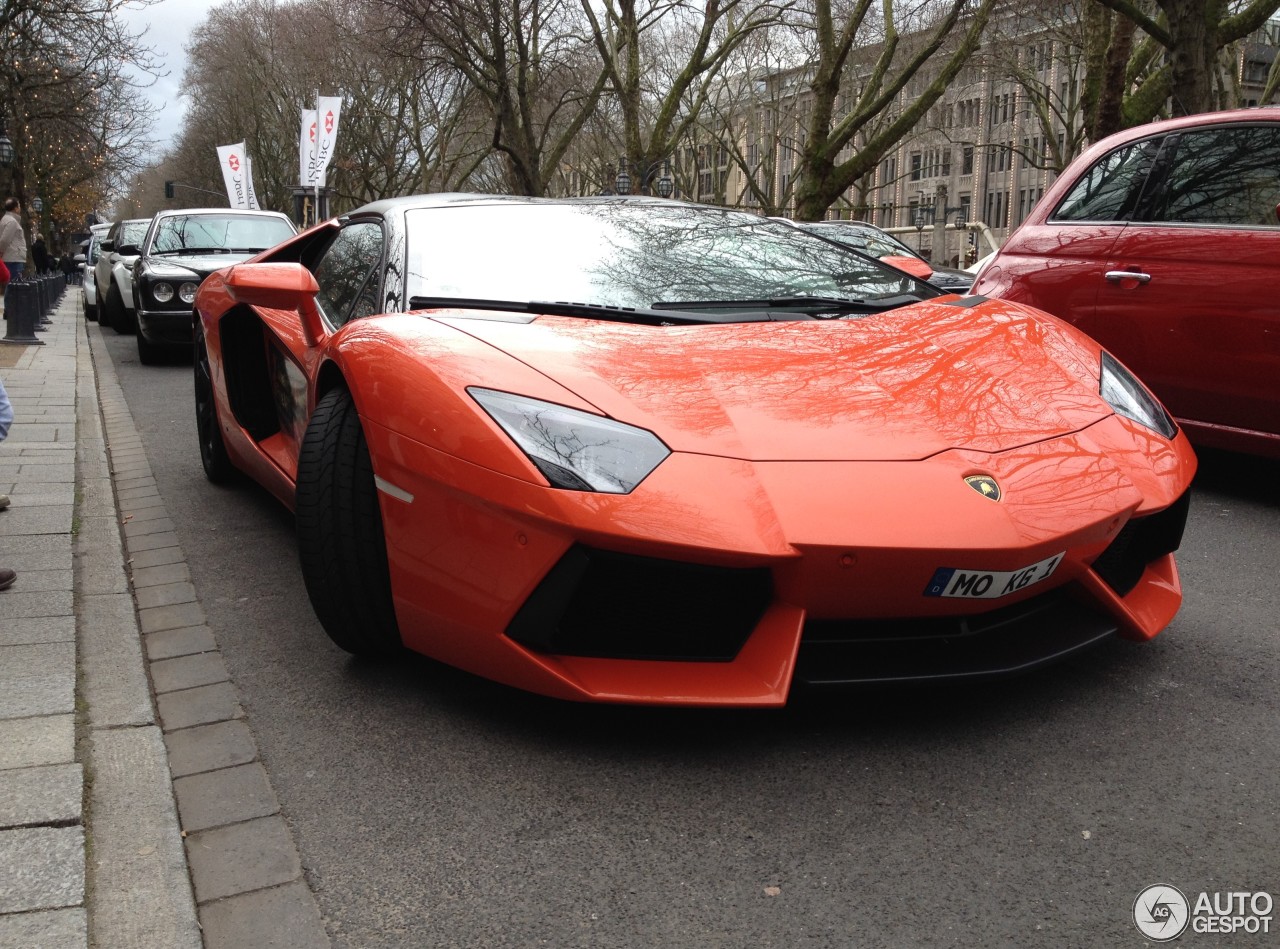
<point x="1115" y="276"/>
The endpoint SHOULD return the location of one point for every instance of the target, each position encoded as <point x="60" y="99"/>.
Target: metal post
<point x="19" y="315"/>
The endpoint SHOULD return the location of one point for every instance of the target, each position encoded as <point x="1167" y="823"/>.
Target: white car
<point x="86" y="263"/>
<point x="113" y="273"/>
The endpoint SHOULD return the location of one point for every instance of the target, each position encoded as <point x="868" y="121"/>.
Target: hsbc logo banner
<point x="236" y="176"/>
<point x="307" y="147"/>
<point x="317" y="139"/>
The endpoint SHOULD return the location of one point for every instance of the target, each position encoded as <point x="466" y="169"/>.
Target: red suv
<point x="1163" y="243"/>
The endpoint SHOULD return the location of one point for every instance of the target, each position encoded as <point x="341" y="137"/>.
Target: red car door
<point x="1188" y="298"/>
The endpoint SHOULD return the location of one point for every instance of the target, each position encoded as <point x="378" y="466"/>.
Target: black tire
<point x="213" y="450"/>
<point x="114" y="312"/>
<point x="340" y="538"/>
<point x="148" y="352"/>
<point x="90" y="311"/>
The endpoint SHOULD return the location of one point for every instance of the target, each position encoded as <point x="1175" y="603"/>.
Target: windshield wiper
<point x="594" y="311"/>
<point x="817" y="304"/>
<point x="188" y="251"/>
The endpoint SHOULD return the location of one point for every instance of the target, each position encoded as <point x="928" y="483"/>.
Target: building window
<point x="916" y="161"/>
<point x="966" y="160"/>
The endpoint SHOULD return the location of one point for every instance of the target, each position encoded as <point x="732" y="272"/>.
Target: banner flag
<point x="328" y="109"/>
<point x="307" y="148"/>
<point x="253" y="195"/>
<point x="231" y="159"/>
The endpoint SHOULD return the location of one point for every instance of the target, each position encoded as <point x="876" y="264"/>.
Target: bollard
<point x="20" y="315"/>
<point x="46" y="300"/>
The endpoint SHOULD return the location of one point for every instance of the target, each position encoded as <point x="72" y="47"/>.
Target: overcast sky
<point x="169" y="24"/>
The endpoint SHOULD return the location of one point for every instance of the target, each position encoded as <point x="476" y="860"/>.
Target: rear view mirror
<point x="912" y="265"/>
<point x="279" y="286"/>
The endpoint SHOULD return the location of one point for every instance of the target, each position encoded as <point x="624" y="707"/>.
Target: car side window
<point x="348" y="274"/>
<point x="1112" y="188"/>
<point x="1228" y="176"/>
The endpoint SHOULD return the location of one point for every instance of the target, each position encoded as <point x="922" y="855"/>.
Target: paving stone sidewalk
<point x="134" y="810"/>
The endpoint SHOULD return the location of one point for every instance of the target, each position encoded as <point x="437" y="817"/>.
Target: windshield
<point x="869" y="242"/>
<point x="638" y="255"/>
<point x="132" y="232"/>
<point x="219" y="232"/>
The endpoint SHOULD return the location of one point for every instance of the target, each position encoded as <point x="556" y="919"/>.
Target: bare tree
<point x="72" y="107"/>
<point x="663" y="60"/>
<point x="529" y="63"/>
<point x="855" y="102"/>
<point x="1189" y="33"/>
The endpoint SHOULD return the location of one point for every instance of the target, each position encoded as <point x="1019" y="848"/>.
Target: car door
<point x="1056" y="259"/>
<point x="1189" y="299"/>
<point x="348" y="275"/>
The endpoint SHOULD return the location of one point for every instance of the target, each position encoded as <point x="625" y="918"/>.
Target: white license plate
<point x="989" y="584"/>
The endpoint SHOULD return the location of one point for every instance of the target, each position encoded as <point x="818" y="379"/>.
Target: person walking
<point x="13" y="242"/>
<point x="40" y="255"/>
<point x="7" y="576"/>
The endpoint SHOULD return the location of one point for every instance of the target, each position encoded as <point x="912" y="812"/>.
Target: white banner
<point x="253" y="195"/>
<point x="235" y="174"/>
<point x="307" y="148"/>
<point x="328" y="108"/>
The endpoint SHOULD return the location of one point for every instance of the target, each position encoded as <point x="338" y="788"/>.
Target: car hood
<point x="977" y="374"/>
<point x="200" y="265"/>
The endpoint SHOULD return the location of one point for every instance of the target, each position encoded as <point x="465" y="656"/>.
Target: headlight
<point x="575" y="450"/>
<point x="188" y="292"/>
<point x="1130" y="398"/>
<point x="163" y="292"/>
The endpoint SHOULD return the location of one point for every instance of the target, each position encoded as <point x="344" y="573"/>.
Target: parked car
<point x="113" y="273"/>
<point x="884" y="246"/>
<point x="633" y="450"/>
<point x="179" y="250"/>
<point x="1163" y="243"/>
<point x="86" y="261"/>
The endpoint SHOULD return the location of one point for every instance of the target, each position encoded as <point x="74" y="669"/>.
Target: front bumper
<point x="167" y="327"/>
<point x="721" y="582"/>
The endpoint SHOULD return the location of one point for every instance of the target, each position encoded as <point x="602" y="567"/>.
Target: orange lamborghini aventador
<point x="634" y="450"/>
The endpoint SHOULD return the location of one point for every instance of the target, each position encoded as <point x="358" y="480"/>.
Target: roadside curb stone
<point x="245" y="875"/>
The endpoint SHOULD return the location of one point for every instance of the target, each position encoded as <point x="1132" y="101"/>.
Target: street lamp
<point x="664" y="185"/>
<point x="6" y="146"/>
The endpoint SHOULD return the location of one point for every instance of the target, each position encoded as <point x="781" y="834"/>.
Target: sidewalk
<point x="110" y="837"/>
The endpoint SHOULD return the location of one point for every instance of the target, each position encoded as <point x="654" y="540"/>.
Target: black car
<point x="181" y="249"/>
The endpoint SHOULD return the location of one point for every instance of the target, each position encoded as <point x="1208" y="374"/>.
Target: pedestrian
<point x="7" y="576"/>
<point x="13" y="242"/>
<point x="40" y="255"/>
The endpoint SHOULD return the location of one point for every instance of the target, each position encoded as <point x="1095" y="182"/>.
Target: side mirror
<point x="279" y="286"/>
<point x="912" y="265"/>
<point x="128" y="250"/>
<point x="79" y="259"/>
<point x="104" y="246"/>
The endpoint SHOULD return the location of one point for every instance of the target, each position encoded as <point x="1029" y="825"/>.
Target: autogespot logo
<point x="1161" y="912"/>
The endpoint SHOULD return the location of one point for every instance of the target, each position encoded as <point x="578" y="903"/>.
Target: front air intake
<point x="618" y="606"/>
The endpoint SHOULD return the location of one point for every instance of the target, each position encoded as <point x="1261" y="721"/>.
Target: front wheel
<point x="340" y="537"/>
<point x="213" y="450"/>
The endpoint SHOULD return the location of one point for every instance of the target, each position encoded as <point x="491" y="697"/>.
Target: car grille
<point x="609" y="605"/>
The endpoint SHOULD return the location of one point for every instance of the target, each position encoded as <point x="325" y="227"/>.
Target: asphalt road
<point x="434" y="809"/>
